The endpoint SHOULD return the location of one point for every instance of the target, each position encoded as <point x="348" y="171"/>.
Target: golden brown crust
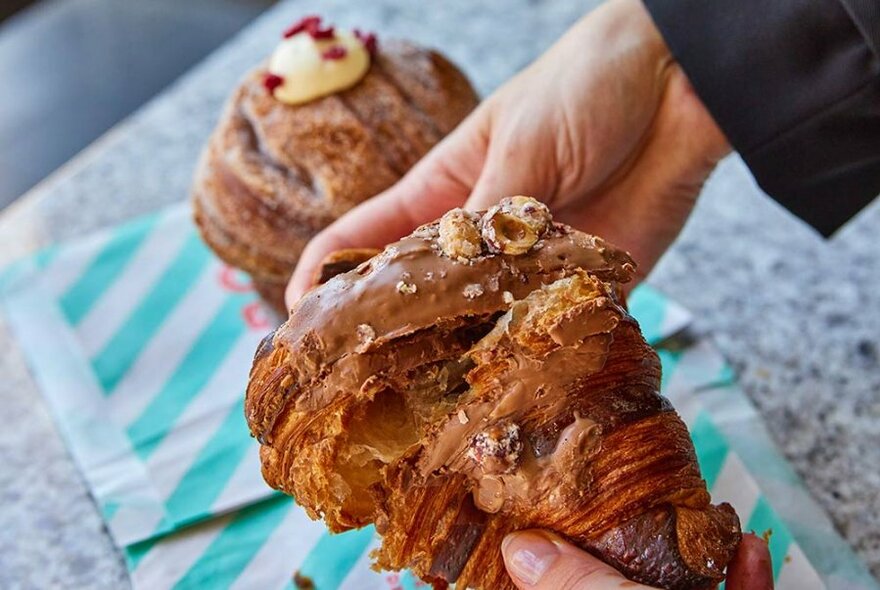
<point x="273" y="175"/>
<point x="451" y="400"/>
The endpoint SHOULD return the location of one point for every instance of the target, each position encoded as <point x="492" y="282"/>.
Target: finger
<point x="513" y="168"/>
<point x="537" y="560"/>
<point x="751" y="567"/>
<point x="518" y="161"/>
<point x="440" y="181"/>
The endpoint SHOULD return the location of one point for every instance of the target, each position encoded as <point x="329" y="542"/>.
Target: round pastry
<point x="332" y="119"/>
<point x="477" y="377"/>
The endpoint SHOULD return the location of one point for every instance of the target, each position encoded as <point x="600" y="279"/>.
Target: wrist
<point x="628" y="26"/>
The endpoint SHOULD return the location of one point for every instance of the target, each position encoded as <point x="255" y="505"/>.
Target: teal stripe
<point x="191" y="375"/>
<point x="108" y="510"/>
<point x="333" y="556"/>
<point x="234" y="548"/>
<point x="45" y="256"/>
<point x="15" y="275"/>
<point x="104" y="269"/>
<point x="669" y="360"/>
<point x="409" y="581"/>
<point x="23" y="272"/>
<point x="136" y="552"/>
<point x="649" y="308"/>
<point x="123" y="349"/>
<point x="764" y="519"/>
<point x="711" y="448"/>
<point x="210" y="472"/>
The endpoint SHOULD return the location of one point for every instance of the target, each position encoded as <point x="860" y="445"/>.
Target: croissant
<point x="280" y="166"/>
<point x="477" y="377"/>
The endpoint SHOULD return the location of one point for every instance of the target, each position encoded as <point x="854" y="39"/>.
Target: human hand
<point x="604" y="128"/>
<point x="537" y="560"/>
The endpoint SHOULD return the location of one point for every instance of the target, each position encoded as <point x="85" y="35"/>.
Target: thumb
<point x="538" y="560"/>
<point x="514" y="167"/>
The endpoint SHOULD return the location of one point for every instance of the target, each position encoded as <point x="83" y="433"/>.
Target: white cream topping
<point x="311" y="68"/>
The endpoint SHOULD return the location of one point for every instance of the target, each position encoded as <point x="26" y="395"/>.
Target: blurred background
<point x="73" y="68"/>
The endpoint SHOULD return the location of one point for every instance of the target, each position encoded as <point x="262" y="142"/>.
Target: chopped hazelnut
<point x="406" y="288"/>
<point x="497" y="449"/>
<point x="506" y="234"/>
<point x="473" y="291"/>
<point x="366" y="334"/>
<point x="426" y="232"/>
<point x="514" y="225"/>
<point x="530" y="210"/>
<point x="459" y="235"/>
<point x="507" y="297"/>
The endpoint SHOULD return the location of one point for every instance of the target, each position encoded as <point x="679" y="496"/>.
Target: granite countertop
<point x="798" y="316"/>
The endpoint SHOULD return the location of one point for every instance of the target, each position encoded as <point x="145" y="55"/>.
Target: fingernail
<point x="528" y="555"/>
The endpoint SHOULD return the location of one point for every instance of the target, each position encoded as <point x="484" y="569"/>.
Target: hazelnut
<point x="514" y="225"/>
<point x="532" y="211"/>
<point x="497" y="449"/>
<point x="459" y="235"/>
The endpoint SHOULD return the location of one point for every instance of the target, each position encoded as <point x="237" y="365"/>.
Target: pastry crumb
<point x="406" y="288"/>
<point x="473" y="291"/>
<point x="463" y="417"/>
<point x="301" y="582"/>
<point x="366" y="335"/>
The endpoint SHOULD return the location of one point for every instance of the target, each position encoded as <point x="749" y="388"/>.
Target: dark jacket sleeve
<point x="795" y="85"/>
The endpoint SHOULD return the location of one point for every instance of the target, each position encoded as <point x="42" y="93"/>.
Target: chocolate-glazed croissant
<point x="478" y="377"/>
<point x="274" y="174"/>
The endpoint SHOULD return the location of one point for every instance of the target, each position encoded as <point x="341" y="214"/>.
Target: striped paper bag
<point x="141" y="342"/>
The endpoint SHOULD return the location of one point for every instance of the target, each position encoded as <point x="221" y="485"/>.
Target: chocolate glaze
<point x="415" y="260"/>
<point x="370" y="295"/>
<point x="532" y="378"/>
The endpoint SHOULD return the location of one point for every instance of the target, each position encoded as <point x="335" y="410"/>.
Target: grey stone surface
<point x="51" y="535"/>
<point x="799" y="317"/>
